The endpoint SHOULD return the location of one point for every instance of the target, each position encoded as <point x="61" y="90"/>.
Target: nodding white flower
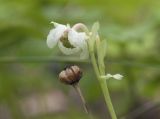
<point x="69" y="40"/>
<point x="116" y="76"/>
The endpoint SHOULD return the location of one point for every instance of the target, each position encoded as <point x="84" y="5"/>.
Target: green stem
<point x="103" y="85"/>
<point x="108" y="101"/>
<point x="95" y="66"/>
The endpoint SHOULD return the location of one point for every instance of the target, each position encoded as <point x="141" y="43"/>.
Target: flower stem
<point x="95" y="66"/>
<point x="103" y="85"/>
<point x="78" y="90"/>
<point x="105" y="90"/>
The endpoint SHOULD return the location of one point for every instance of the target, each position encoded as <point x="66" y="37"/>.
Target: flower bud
<point x="70" y="75"/>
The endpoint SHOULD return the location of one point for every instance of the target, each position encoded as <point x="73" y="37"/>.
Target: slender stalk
<point x="95" y="66"/>
<point x="78" y="90"/>
<point x="105" y="90"/>
<point x="103" y="85"/>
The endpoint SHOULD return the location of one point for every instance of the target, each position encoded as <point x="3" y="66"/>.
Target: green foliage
<point x="132" y="32"/>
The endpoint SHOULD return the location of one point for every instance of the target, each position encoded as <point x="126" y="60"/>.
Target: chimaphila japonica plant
<point x="88" y="45"/>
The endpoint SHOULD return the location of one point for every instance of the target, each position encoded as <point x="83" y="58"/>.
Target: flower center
<point x="65" y="41"/>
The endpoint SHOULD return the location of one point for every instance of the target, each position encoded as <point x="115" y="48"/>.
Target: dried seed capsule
<point x="70" y="75"/>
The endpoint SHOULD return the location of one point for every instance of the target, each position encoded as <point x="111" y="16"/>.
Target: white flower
<point x="116" y="76"/>
<point x="69" y="40"/>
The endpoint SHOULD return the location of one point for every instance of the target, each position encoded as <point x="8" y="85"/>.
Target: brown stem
<point x="78" y="90"/>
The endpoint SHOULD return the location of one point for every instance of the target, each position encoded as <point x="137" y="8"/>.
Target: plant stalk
<point x="108" y="101"/>
<point x="78" y="90"/>
<point x="103" y="85"/>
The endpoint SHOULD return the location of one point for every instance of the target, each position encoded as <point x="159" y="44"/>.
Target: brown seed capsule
<point x="70" y="75"/>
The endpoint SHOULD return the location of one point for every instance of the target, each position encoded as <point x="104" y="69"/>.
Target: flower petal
<point x="68" y="51"/>
<point x="55" y="34"/>
<point x="77" y="39"/>
<point x="55" y="23"/>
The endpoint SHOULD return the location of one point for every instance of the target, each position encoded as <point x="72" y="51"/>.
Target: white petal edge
<point x="54" y="35"/>
<point x="55" y="23"/>
<point x="68" y="51"/>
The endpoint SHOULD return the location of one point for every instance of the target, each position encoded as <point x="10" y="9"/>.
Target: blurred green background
<point x="29" y="86"/>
